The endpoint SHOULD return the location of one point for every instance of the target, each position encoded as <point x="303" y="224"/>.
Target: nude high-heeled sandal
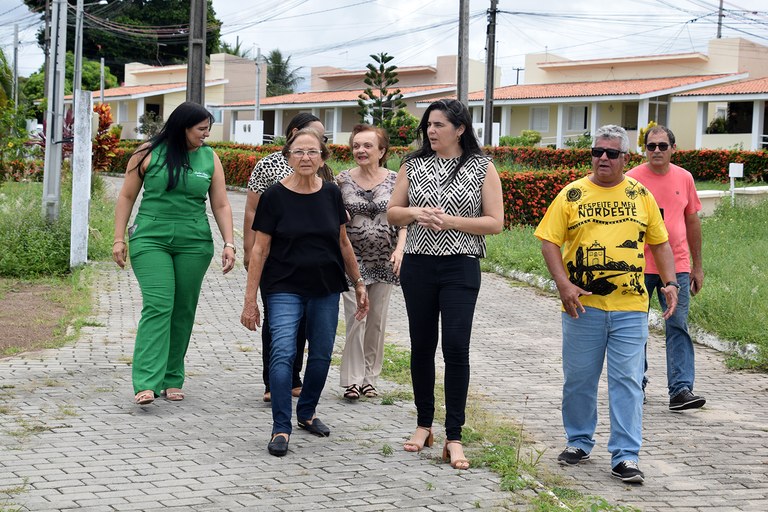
<point x="455" y="463"/>
<point x="413" y="445"/>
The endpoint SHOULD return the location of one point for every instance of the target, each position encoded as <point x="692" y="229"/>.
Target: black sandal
<point x="352" y="392"/>
<point x="369" y="391"/>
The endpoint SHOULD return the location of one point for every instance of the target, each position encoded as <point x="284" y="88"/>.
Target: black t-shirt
<point x="304" y="255"/>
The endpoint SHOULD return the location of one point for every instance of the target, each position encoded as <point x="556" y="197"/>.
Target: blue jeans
<point x="680" y="359"/>
<point x="285" y="313"/>
<point x="586" y="341"/>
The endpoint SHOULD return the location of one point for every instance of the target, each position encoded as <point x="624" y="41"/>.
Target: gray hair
<point x="612" y="131"/>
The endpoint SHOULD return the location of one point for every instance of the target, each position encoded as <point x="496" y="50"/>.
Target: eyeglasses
<point x="651" y="146"/>
<point x="299" y="153"/>
<point x="613" y="154"/>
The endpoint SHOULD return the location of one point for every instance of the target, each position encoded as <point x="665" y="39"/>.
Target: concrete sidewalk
<point x="70" y="437"/>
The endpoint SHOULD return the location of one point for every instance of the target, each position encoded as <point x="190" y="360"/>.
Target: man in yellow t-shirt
<point x="593" y="238"/>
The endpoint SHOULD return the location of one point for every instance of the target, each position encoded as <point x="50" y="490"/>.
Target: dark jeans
<point x="440" y="290"/>
<point x="266" y="348"/>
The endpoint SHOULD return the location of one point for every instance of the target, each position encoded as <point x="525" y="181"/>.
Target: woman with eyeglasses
<point x="299" y="260"/>
<point x="268" y="171"/>
<point x="448" y="194"/>
<point x="378" y="246"/>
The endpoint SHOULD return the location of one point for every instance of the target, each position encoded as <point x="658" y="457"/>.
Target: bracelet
<point x="231" y="246"/>
<point x="360" y="280"/>
<point x="118" y="242"/>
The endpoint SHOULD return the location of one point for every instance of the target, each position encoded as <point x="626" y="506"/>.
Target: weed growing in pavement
<point x="498" y="444"/>
<point x="387" y="450"/>
<point x="5" y="503"/>
<point x="66" y="410"/>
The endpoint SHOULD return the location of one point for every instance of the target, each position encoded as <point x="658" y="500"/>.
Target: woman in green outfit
<point x="171" y="245"/>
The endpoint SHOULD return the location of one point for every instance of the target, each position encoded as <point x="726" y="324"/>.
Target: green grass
<point x="732" y="303"/>
<point x="716" y="185"/>
<point x="30" y="246"/>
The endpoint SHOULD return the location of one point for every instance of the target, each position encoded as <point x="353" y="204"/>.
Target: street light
<point x="77" y="78"/>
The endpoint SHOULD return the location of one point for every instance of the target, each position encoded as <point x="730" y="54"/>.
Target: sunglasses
<point x="613" y="154"/>
<point x="651" y="146"/>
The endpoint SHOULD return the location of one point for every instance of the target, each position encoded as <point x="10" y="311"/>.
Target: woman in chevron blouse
<point x="448" y="194"/>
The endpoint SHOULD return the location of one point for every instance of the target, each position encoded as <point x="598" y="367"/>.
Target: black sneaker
<point x="628" y="471"/>
<point x="685" y="400"/>
<point x="572" y="455"/>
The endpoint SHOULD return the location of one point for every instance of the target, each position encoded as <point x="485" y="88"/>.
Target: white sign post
<point x="735" y="171"/>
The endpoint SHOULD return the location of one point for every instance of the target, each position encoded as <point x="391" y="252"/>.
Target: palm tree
<point x="6" y="80"/>
<point x="281" y="79"/>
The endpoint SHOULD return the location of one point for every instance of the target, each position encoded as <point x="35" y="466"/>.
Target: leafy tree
<point x="379" y="101"/>
<point x="150" y="124"/>
<point x="6" y="80"/>
<point x="281" y="79"/>
<point x="90" y="76"/>
<point x="234" y="49"/>
<point x="133" y="35"/>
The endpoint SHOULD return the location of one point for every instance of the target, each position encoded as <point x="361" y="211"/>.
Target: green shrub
<point x="32" y="247"/>
<point x="527" y="138"/>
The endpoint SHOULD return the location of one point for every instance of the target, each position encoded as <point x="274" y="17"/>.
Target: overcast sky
<point x="344" y="33"/>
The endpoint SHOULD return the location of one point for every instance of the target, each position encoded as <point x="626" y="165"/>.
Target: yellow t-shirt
<point x="602" y="233"/>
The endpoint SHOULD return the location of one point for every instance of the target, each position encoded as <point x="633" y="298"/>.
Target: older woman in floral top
<point x="378" y="247"/>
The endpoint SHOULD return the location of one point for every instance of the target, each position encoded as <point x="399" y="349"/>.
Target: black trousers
<point x="266" y="347"/>
<point x="440" y="291"/>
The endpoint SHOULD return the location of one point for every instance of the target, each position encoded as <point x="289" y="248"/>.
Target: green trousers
<point x="169" y="258"/>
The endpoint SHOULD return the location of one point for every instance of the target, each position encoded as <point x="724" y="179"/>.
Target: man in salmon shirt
<point x="675" y="193"/>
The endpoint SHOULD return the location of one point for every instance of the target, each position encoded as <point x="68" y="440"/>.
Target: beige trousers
<point x="364" y="346"/>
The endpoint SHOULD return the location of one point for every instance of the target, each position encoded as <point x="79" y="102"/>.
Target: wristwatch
<point x="231" y="246"/>
<point x="673" y="283"/>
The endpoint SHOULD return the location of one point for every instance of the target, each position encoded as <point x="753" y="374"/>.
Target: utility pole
<point x="462" y="79"/>
<point x="257" y="103"/>
<point x="517" y="78"/>
<point x="490" y="50"/>
<point x="198" y="12"/>
<point x="720" y="21"/>
<point x="16" y="65"/>
<point x="54" y="115"/>
<point x="47" y="45"/>
<point x="101" y="80"/>
<point x="77" y="79"/>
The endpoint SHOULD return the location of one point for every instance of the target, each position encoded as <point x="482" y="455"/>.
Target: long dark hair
<point x="458" y="115"/>
<point x="301" y="121"/>
<point x="174" y="135"/>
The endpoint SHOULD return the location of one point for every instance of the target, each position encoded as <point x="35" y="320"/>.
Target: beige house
<point x="160" y="89"/>
<point x="563" y="99"/>
<point x="334" y="94"/>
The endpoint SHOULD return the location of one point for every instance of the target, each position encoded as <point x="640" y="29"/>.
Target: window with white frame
<point x="122" y="112"/>
<point x="217" y="113"/>
<point x="540" y="119"/>
<point x="577" y="118"/>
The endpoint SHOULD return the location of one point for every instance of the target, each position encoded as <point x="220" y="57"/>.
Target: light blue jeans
<point x="681" y="365"/>
<point x="586" y="341"/>
<point x="285" y="312"/>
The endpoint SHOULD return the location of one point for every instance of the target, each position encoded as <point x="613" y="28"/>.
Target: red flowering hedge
<point x="528" y="194"/>
<point x="704" y="164"/>
<point x="22" y="170"/>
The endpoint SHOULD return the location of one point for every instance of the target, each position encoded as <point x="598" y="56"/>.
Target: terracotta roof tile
<point x="133" y="90"/>
<point x="582" y="89"/>
<point x="330" y="96"/>
<point x="756" y="86"/>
